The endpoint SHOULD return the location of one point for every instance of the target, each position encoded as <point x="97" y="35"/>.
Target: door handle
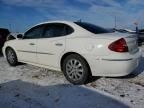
<point x="31" y="44"/>
<point x="59" y="44"/>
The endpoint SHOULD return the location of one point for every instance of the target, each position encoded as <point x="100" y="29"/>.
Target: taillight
<point x="119" y="46"/>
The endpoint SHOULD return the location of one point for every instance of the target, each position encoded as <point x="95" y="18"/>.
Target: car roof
<point x="58" y="21"/>
<point x="63" y="21"/>
<point x="76" y="27"/>
<point x="47" y="22"/>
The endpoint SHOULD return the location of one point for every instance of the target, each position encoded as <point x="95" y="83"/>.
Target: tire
<point x="11" y="57"/>
<point x="75" y="69"/>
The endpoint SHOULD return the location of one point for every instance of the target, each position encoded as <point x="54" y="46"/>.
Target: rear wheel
<point x="11" y="57"/>
<point x="75" y="69"/>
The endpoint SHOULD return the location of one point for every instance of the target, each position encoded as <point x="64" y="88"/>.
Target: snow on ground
<point x="27" y="86"/>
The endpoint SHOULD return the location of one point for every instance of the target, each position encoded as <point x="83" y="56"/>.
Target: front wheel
<point x="11" y="57"/>
<point x="76" y="69"/>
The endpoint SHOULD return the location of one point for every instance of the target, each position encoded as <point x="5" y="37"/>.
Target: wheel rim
<point x="10" y="56"/>
<point x="74" y="69"/>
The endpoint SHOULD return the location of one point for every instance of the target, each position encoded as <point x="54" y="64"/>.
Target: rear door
<point x="52" y="45"/>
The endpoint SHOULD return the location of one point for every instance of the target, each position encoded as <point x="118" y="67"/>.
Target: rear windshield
<point x="92" y="28"/>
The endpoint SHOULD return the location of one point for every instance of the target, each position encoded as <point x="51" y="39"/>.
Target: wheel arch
<point x="69" y="53"/>
<point x="7" y="47"/>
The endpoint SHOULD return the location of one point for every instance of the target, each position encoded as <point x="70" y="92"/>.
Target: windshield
<point x="92" y="28"/>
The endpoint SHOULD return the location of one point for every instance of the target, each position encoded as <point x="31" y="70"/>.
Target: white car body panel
<point x="21" y="48"/>
<point x="92" y="47"/>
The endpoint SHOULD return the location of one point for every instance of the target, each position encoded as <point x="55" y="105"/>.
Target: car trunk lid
<point x="131" y="39"/>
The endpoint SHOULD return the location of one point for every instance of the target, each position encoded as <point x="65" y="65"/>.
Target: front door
<point x="27" y="47"/>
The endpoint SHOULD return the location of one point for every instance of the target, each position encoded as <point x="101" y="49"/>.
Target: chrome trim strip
<point x="44" y="53"/>
<point x="117" y="59"/>
<point x="26" y="51"/>
<point x="35" y="52"/>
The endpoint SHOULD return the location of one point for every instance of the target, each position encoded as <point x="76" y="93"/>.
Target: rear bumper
<point x="114" y="67"/>
<point x="119" y="68"/>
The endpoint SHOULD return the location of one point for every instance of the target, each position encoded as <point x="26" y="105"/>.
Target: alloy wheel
<point x="74" y="69"/>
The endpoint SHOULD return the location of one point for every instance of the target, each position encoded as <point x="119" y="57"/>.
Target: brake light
<point x="119" y="46"/>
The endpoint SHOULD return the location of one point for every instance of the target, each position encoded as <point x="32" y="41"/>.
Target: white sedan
<point x="78" y="49"/>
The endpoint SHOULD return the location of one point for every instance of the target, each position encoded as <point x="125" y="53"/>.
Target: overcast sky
<point x="18" y="15"/>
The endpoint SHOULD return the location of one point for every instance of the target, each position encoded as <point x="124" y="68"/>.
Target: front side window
<point x="34" y="33"/>
<point x="57" y="30"/>
<point x="92" y="28"/>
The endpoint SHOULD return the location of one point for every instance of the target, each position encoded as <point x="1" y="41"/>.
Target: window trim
<point x="57" y="23"/>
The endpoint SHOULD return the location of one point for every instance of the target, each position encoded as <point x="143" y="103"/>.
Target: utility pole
<point x="10" y="28"/>
<point x="79" y="20"/>
<point x="115" y="23"/>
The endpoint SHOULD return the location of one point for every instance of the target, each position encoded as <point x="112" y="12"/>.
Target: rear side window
<point x="68" y="30"/>
<point x="92" y="28"/>
<point x="57" y="30"/>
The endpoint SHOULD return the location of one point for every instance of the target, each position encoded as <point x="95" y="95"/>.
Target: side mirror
<point x="19" y="36"/>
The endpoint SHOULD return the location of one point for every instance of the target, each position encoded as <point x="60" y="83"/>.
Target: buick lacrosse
<point x="78" y="49"/>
